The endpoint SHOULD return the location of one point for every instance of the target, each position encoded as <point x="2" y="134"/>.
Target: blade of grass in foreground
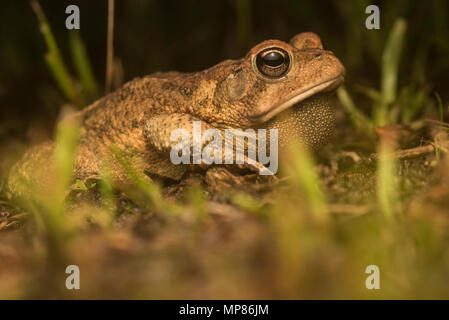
<point x="196" y="198"/>
<point x="139" y="179"/>
<point x="82" y="64"/>
<point x="390" y="67"/>
<point x="306" y="180"/>
<point x="440" y="107"/>
<point x="48" y="190"/>
<point x="54" y="59"/>
<point x="359" y="120"/>
<point x="387" y="186"/>
<point x="441" y="112"/>
<point x="64" y="154"/>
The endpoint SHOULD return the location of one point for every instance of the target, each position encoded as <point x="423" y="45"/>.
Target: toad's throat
<point x="263" y="116"/>
<point x="311" y="121"/>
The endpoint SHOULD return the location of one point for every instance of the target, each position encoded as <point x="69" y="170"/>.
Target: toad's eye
<point x="273" y="62"/>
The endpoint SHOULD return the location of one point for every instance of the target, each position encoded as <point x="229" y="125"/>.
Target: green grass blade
<point x="359" y="120"/>
<point x="387" y="186"/>
<point x="415" y="102"/>
<point x="307" y="182"/>
<point x="390" y="66"/>
<point x="196" y="198"/>
<point x="138" y="178"/>
<point x="440" y="107"/>
<point x="82" y="63"/>
<point x="54" y="59"/>
<point x="66" y="141"/>
<point x="441" y="112"/>
<point x="51" y="206"/>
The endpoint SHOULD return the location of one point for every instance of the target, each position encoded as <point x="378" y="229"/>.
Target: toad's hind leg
<point x="35" y="176"/>
<point x="32" y="173"/>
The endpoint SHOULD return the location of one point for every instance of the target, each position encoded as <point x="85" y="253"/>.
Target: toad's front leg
<point x="188" y="141"/>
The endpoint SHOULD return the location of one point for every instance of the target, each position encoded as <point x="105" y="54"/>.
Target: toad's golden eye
<point x="273" y="62"/>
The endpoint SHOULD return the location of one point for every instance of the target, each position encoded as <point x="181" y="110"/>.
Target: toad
<point x="276" y="85"/>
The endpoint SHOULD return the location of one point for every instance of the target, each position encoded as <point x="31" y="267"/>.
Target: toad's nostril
<point x="317" y="55"/>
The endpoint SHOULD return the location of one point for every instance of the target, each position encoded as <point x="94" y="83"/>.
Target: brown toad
<point x="271" y="80"/>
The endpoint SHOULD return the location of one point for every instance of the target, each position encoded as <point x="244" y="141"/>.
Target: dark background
<point x="152" y="35"/>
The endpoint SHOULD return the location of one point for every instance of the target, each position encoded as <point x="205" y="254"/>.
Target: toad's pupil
<point x="273" y="59"/>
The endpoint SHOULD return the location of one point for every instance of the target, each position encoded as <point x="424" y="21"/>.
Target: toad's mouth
<point x="330" y="85"/>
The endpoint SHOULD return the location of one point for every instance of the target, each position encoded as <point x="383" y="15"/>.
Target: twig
<point x="438" y="123"/>
<point x="110" y="47"/>
<point x="413" y="152"/>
